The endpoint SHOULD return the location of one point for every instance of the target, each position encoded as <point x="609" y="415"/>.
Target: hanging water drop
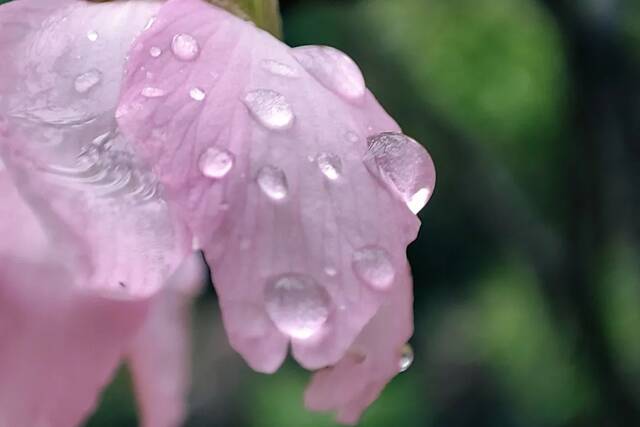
<point x="406" y="358"/>
<point x="185" y="47"/>
<point x="297" y="305"/>
<point x="216" y="163"/>
<point x="197" y="94"/>
<point x="330" y="165"/>
<point x="270" y="108"/>
<point x="273" y="182"/>
<point x="85" y="81"/>
<point x="372" y="265"/>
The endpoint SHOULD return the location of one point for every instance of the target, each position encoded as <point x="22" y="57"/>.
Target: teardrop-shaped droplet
<point x="406" y="358"/>
<point x="297" y="304"/>
<point x="155" y="51"/>
<point x="330" y="165"/>
<point x="270" y="108"/>
<point x="273" y="182"/>
<point x="216" y="163"/>
<point x="372" y="264"/>
<point x="152" y="92"/>
<point x="197" y="94"/>
<point x="85" y="81"/>
<point x="404" y="165"/>
<point x="92" y="35"/>
<point x="278" y="68"/>
<point x="333" y="69"/>
<point x="185" y="47"/>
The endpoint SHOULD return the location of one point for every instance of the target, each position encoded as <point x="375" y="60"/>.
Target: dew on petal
<point x="216" y="163"/>
<point x="197" y="94"/>
<point x="273" y="182"/>
<point x="352" y="137"/>
<point x="404" y="165"/>
<point x="185" y="47"/>
<point x="406" y="358"/>
<point x="278" y="68"/>
<point x="372" y="265"/>
<point x="85" y="81"/>
<point x="155" y="51"/>
<point x="297" y="305"/>
<point x="333" y="69"/>
<point x="152" y="92"/>
<point x="330" y="271"/>
<point x="330" y="165"/>
<point x="149" y="23"/>
<point x="92" y="36"/>
<point x="270" y="108"/>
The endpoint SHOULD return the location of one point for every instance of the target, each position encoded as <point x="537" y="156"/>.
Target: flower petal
<point x="60" y="141"/>
<point x="305" y="242"/>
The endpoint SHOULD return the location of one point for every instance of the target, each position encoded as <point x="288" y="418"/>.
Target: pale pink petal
<point x="63" y="62"/>
<point x="160" y="354"/>
<point x="58" y="345"/>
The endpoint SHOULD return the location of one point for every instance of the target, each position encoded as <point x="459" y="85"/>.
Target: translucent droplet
<point x="372" y="264"/>
<point x="155" y="51"/>
<point x="92" y="36"/>
<point x="152" y="92"/>
<point x="273" y="182"/>
<point x="404" y="165"/>
<point x="278" y="68"/>
<point x="270" y="108"/>
<point x="352" y="137"/>
<point x="85" y="81"/>
<point x="297" y="304"/>
<point x="333" y="69"/>
<point x="185" y="47"/>
<point x="216" y="163"/>
<point x="330" y="271"/>
<point x="330" y="165"/>
<point x="197" y="94"/>
<point x="406" y="358"/>
<point x="149" y="23"/>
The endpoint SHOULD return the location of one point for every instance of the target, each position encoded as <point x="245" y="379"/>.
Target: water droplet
<point x="152" y="92"/>
<point x="330" y="165"/>
<point x="92" y="36"/>
<point x="297" y="304"/>
<point x="278" y="68"/>
<point x="372" y="264"/>
<point x="197" y="94"/>
<point x="273" y="182"/>
<point x="149" y="23"/>
<point x="270" y="108"/>
<point x="406" y="358"/>
<point x="185" y="47"/>
<point x="330" y="271"/>
<point x="85" y="81"/>
<point x="216" y="163"/>
<point x="155" y="51"/>
<point x="333" y="69"/>
<point x="404" y="165"/>
<point x="352" y="137"/>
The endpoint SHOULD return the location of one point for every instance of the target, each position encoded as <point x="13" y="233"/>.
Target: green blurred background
<point x="527" y="278"/>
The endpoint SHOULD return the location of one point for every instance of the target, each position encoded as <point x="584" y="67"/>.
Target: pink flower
<point x="135" y="132"/>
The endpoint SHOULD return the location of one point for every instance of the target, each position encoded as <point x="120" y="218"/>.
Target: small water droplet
<point x="352" y="137"/>
<point x="216" y="163"/>
<point x="152" y="92"/>
<point x="155" y="51"/>
<point x="197" y="94"/>
<point x="406" y="358"/>
<point x="85" y="81"/>
<point x="92" y="36"/>
<point x="372" y="264"/>
<point x="297" y="304"/>
<point x="330" y="271"/>
<point x="278" y="68"/>
<point x="273" y="182"/>
<point x="404" y="165"/>
<point x="333" y="69"/>
<point x="185" y="47"/>
<point x="270" y="108"/>
<point x="330" y="165"/>
<point x="149" y="23"/>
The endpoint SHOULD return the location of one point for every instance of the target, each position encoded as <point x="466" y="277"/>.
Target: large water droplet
<point x="270" y="108"/>
<point x="185" y="47"/>
<point x="330" y="165"/>
<point x="406" y="358"/>
<point x="92" y="35"/>
<point x="372" y="264"/>
<point x="278" y="68"/>
<point x="85" y="81"/>
<point x="273" y="182"/>
<point x="152" y="92"/>
<point x="404" y="165"/>
<point x="297" y="304"/>
<point x="197" y="94"/>
<point x="333" y="69"/>
<point x="216" y="163"/>
<point x="155" y="51"/>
